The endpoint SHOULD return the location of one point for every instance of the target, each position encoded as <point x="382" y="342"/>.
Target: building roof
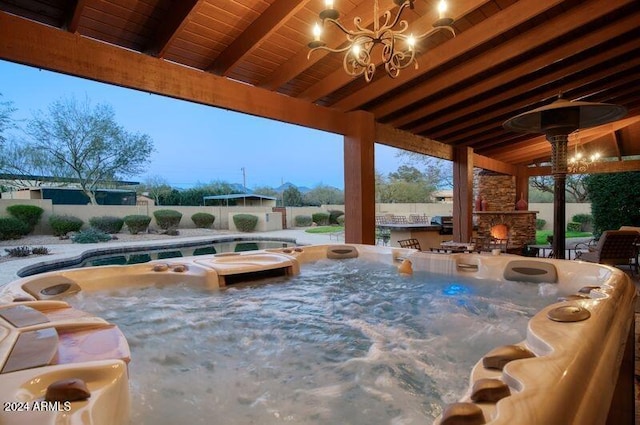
<point x="240" y="196"/>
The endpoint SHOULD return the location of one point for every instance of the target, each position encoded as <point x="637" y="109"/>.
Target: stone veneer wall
<point x="498" y="190"/>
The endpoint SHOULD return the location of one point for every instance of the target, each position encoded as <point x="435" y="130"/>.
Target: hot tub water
<point x="346" y="342"/>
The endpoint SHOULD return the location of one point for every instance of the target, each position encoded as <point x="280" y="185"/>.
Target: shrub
<point x="340" y="220"/>
<point x="19" y="251"/>
<point x="167" y="219"/>
<point x="107" y="224"/>
<point x="63" y="224"/>
<point x="12" y="228"/>
<point x="203" y="220"/>
<point x="586" y="221"/>
<point x="303" y="220"/>
<point x="572" y="226"/>
<point x="40" y="250"/>
<point x="540" y="223"/>
<point x="333" y="216"/>
<point x="245" y="222"/>
<point x="321" y="218"/>
<point x="29" y="214"/>
<point x="137" y="223"/>
<point x="91" y="235"/>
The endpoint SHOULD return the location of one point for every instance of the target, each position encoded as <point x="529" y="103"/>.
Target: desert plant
<point x="29" y="214"/>
<point x="321" y="218"/>
<point x="303" y="221"/>
<point x="90" y="235"/>
<point x="540" y="223"/>
<point x="340" y="220"/>
<point x="63" y="224"/>
<point x="245" y="222"/>
<point x="19" y="251"/>
<point x="167" y="219"/>
<point x="137" y="223"/>
<point x="203" y="220"/>
<point x="40" y="250"/>
<point x="12" y="228"/>
<point x="333" y="216"/>
<point x="107" y="224"/>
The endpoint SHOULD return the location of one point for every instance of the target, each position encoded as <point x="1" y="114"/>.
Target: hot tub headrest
<point x="530" y="271"/>
<point x="339" y="252"/>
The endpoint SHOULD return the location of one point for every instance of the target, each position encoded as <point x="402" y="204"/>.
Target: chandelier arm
<point x="395" y="21"/>
<point x="328" y="49"/>
<point x="349" y="32"/>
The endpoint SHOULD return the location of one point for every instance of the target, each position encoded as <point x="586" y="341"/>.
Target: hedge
<point x="91" y="235"/>
<point x="29" y="214"/>
<point x="63" y="224"/>
<point x="340" y="220"/>
<point x="573" y="226"/>
<point x="333" y="216"/>
<point x="203" y="220"/>
<point x="167" y="219"/>
<point x="540" y="223"/>
<point x="12" y="228"/>
<point x="245" y="222"/>
<point x="137" y="223"/>
<point x="107" y="224"/>
<point x="320" y="218"/>
<point x="303" y="220"/>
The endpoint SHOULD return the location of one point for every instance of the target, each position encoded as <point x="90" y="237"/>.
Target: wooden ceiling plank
<point x="175" y="20"/>
<point x="300" y="62"/>
<point x="74" y="19"/>
<point x="471" y="126"/>
<point x="278" y="13"/>
<point x="529" y="66"/>
<point x="38" y="45"/>
<point x="340" y="78"/>
<point x="400" y="139"/>
<point x="474" y="37"/>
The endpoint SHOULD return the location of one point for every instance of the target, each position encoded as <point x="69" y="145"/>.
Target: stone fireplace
<point x="500" y="219"/>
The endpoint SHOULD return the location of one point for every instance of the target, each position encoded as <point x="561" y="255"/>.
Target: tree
<point x="324" y="195"/>
<point x="438" y="172"/>
<point x="292" y="197"/>
<point x="613" y="200"/>
<point x="266" y="191"/>
<point x="86" y="143"/>
<point x="156" y="187"/>
<point x="6" y="120"/>
<point x="575" y="190"/>
<point x="407" y="173"/>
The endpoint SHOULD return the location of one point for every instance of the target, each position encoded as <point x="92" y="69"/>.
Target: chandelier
<point x="579" y="162"/>
<point x="398" y="48"/>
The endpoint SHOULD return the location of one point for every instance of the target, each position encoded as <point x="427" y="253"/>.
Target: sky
<point x="196" y="144"/>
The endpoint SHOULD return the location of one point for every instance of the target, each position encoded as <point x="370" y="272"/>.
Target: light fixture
<point x="557" y="120"/>
<point x="580" y="162"/>
<point x="398" y="48"/>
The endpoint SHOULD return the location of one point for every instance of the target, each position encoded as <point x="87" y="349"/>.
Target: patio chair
<point x="410" y="243"/>
<point x="615" y="247"/>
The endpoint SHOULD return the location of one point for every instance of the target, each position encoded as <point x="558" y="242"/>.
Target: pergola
<point x="250" y="56"/>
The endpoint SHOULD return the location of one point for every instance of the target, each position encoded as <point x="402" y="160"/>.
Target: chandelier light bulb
<point x="356" y="49"/>
<point x="328" y="4"/>
<point x="442" y="9"/>
<point x="411" y="41"/>
<point x="317" y="32"/>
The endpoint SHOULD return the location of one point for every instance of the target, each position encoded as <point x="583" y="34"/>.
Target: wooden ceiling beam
<point x="27" y="42"/>
<point x="462" y="133"/>
<point x="616" y="138"/>
<point x="465" y="42"/>
<point x="269" y="21"/>
<point x="400" y="139"/>
<point x="530" y="66"/>
<point x="176" y="18"/>
<point x="492" y="164"/>
<point x="74" y="17"/>
<point x="301" y="61"/>
<point x="596" y="168"/>
<point x="340" y="78"/>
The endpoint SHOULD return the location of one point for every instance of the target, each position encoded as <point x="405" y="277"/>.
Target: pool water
<point x="345" y="342"/>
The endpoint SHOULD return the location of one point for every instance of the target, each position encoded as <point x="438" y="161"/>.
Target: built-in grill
<point x="445" y="222"/>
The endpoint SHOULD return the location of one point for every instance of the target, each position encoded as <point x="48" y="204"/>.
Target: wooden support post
<point x="462" y="194"/>
<point x="359" y="179"/>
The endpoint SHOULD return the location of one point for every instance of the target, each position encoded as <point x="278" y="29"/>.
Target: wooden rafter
<point x="176" y="19"/>
<point x="279" y="12"/>
<point x="74" y="17"/>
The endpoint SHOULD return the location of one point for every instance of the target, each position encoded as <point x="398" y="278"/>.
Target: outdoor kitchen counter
<point x="428" y="235"/>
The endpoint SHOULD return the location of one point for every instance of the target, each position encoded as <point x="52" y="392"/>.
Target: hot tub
<point x="564" y="371"/>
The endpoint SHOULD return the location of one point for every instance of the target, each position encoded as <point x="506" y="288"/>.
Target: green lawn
<point x="541" y="235"/>
<point x="325" y="229"/>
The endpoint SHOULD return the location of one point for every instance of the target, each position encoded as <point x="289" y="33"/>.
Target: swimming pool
<point x="381" y="352"/>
